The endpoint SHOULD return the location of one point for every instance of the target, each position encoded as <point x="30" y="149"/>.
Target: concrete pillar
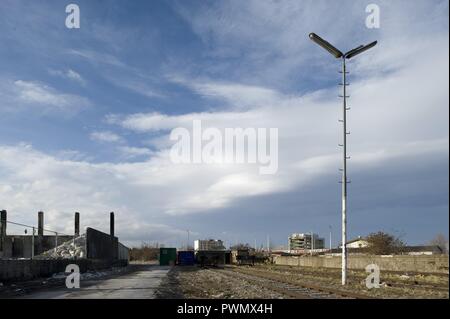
<point x="113" y="252"/>
<point x="40" y="223"/>
<point x="77" y="224"/>
<point x="111" y="224"/>
<point x="3" y="220"/>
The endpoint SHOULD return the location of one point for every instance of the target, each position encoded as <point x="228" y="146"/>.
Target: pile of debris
<point x="71" y="249"/>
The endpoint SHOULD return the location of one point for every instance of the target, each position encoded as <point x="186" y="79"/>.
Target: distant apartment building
<point x="208" y="244"/>
<point x="306" y="241"/>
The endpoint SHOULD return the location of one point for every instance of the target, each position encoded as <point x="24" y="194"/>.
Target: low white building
<point x="357" y="243"/>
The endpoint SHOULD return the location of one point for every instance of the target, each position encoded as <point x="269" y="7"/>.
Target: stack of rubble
<point x="71" y="249"/>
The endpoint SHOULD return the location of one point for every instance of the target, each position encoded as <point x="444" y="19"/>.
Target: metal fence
<point x="31" y="243"/>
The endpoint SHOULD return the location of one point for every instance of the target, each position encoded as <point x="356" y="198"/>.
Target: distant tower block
<point x="111" y="224"/>
<point x="77" y="224"/>
<point x="40" y="223"/>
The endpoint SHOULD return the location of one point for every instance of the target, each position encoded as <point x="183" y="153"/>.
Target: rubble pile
<point x="71" y="249"/>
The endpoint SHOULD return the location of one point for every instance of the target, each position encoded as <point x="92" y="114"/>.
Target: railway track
<point x="295" y="290"/>
<point x="360" y="277"/>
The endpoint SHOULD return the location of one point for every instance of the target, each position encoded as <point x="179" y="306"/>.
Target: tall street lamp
<point x="344" y="56"/>
<point x="330" y="236"/>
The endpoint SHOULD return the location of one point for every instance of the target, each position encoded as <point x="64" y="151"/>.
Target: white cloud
<point x="126" y="76"/>
<point x="384" y="122"/>
<point x="106" y="136"/>
<point x="137" y="86"/>
<point x="238" y="96"/>
<point x="72" y="155"/>
<point x="22" y="95"/>
<point x="69" y="74"/>
<point x="142" y="192"/>
<point x="130" y="152"/>
<point x="32" y="181"/>
<point x="97" y="57"/>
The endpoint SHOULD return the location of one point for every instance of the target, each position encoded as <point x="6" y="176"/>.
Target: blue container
<point x="186" y="258"/>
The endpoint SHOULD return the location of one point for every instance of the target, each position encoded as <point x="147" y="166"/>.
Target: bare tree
<point x="382" y="243"/>
<point x="441" y="241"/>
<point x="145" y="252"/>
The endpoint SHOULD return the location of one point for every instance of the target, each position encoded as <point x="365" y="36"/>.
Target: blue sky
<point x="86" y="114"/>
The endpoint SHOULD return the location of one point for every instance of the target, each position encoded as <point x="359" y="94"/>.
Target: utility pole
<point x="56" y="242"/>
<point x="344" y="172"/>
<point x="187" y="246"/>
<point x="32" y="242"/>
<point x="343" y="56"/>
<point x="330" y="237"/>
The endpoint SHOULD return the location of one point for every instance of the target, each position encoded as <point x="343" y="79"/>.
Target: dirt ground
<point x="217" y="283"/>
<point x="196" y="282"/>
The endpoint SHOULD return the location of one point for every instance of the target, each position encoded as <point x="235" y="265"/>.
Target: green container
<point x="167" y="256"/>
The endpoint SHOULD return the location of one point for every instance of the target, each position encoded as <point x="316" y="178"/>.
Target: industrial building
<point x="306" y="241"/>
<point x="34" y="255"/>
<point x="97" y="245"/>
<point x="208" y="244"/>
<point x="33" y="244"/>
<point x="211" y="252"/>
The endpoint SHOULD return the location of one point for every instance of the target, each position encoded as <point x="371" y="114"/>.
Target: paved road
<point x="141" y="284"/>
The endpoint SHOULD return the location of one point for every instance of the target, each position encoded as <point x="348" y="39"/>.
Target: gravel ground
<point x="392" y="285"/>
<point x="196" y="282"/>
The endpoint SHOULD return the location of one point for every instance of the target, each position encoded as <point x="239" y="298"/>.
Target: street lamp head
<point x="350" y="54"/>
<point x="326" y="45"/>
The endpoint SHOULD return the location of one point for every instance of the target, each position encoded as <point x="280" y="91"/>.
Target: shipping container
<point x="186" y="258"/>
<point x="167" y="256"/>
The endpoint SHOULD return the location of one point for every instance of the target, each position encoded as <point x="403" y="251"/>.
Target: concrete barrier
<point x="123" y="252"/>
<point x="19" y="246"/>
<point x="100" y="245"/>
<point x="431" y="264"/>
<point x="12" y="270"/>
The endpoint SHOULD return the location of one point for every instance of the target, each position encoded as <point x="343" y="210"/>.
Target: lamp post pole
<point x="187" y="245"/>
<point x="344" y="173"/>
<point x="344" y="56"/>
<point x="330" y="238"/>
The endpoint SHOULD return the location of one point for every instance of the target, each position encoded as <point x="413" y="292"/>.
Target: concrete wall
<point x="123" y="252"/>
<point x="434" y="263"/>
<point x="19" y="246"/>
<point x="12" y="270"/>
<point x="100" y="245"/>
